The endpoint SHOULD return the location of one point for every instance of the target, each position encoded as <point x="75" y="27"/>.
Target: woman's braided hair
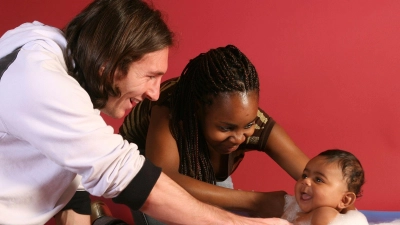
<point x="220" y="70"/>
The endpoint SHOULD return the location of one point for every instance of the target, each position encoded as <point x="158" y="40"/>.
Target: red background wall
<point x="329" y="74"/>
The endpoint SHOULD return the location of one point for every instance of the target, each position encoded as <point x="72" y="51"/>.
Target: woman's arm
<point x="162" y="150"/>
<point x="169" y="203"/>
<point x="284" y="151"/>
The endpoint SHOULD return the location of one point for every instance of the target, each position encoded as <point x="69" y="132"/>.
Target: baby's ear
<point x="348" y="199"/>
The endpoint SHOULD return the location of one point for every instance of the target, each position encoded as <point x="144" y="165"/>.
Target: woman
<point x="203" y="124"/>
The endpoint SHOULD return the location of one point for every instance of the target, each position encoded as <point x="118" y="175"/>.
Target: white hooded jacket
<point x="50" y="132"/>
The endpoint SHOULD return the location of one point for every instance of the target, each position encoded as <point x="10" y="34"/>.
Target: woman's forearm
<point x="170" y="203"/>
<point x="260" y="204"/>
<point x="282" y="149"/>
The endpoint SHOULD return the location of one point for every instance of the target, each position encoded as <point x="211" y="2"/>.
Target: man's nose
<point x="153" y="92"/>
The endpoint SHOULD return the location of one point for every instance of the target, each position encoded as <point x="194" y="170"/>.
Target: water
<point x="353" y="217"/>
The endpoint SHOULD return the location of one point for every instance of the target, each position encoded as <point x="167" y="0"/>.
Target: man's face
<point x="142" y="81"/>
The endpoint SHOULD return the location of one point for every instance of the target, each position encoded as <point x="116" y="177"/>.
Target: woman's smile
<point x="229" y="148"/>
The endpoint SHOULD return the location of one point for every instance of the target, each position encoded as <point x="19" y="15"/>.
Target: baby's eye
<point x="303" y="176"/>
<point x="318" y="180"/>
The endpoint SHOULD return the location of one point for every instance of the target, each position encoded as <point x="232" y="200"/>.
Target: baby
<point x="330" y="183"/>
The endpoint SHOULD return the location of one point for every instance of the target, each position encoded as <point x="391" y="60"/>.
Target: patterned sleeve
<point x="136" y="123"/>
<point x="263" y="126"/>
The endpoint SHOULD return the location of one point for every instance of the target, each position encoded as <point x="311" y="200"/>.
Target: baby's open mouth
<point x="305" y="196"/>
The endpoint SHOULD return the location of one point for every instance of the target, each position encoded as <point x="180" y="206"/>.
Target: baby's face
<point x="321" y="184"/>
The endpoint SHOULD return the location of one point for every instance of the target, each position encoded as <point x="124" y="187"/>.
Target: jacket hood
<point x="50" y="38"/>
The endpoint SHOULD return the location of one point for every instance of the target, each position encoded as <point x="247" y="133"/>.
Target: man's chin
<point x="120" y="114"/>
<point x="116" y="114"/>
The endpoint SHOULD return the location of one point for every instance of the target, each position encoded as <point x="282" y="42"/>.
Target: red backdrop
<point x="329" y="74"/>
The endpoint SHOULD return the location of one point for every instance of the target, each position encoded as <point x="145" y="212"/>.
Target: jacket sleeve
<point x="137" y="191"/>
<point x="50" y="111"/>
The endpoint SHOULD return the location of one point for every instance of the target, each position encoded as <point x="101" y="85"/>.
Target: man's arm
<point x="70" y="217"/>
<point x="170" y="203"/>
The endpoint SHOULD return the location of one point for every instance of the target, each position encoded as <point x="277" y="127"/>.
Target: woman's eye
<point x="249" y="126"/>
<point x="224" y="129"/>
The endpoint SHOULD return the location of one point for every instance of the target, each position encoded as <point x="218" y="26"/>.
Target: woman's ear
<point x="201" y="106"/>
<point x="198" y="109"/>
<point x="348" y="199"/>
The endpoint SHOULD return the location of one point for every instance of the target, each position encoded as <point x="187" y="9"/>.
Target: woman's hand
<point x="268" y="204"/>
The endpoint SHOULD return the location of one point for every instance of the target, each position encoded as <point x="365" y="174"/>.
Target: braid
<point x="224" y="69"/>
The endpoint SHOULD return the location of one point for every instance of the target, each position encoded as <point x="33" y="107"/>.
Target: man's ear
<point x="348" y="199"/>
<point x="101" y="70"/>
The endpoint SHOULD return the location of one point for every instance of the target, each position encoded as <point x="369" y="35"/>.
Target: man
<point x="53" y="86"/>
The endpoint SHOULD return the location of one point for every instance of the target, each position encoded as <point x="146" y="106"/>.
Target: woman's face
<point x="142" y="81"/>
<point x="229" y="120"/>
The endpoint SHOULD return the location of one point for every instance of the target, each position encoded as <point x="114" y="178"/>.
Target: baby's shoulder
<point x="323" y="215"/>
<point x="325" y="210"/>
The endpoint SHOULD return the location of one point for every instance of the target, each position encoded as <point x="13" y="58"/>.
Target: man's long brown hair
<point x="108" y="35"/>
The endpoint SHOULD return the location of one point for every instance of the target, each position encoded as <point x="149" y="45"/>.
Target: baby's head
<point x="333" y="178"/>
<point x="351" y="167"/>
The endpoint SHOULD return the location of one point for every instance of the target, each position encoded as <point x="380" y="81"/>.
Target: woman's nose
<point x="239" y="138"/>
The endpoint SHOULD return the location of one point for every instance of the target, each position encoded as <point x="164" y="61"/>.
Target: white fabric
<point x="49" y="133"/>
<point x="226" y="183"/>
